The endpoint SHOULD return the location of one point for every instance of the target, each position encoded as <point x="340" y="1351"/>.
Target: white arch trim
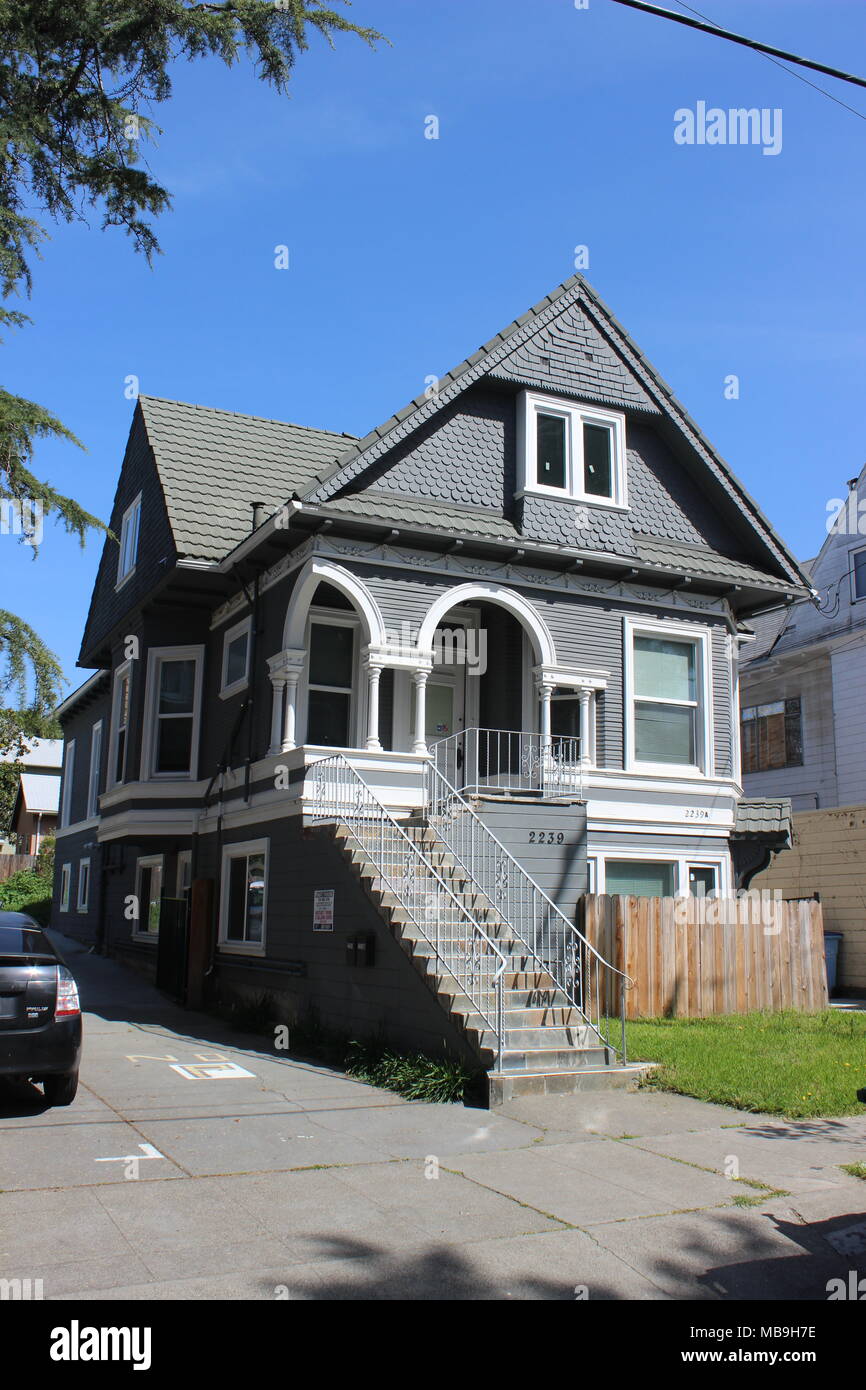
<point x="316" y="572"/>
<point x="534" y="624"/>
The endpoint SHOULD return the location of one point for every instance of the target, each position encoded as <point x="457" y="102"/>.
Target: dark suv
<point x="40" y="1016"/>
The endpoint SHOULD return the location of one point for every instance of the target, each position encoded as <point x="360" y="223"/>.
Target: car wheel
<point x="60" y="1090"/>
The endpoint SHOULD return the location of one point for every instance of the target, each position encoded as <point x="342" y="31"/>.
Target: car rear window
<point x="24" y="941"/>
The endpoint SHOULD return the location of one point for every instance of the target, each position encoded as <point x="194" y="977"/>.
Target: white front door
<point x="452" y="689"/>
<point x="445" y="705"/>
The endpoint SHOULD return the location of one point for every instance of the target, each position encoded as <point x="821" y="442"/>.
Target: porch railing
<point x="510" y="760"/>
<point x="546" y="934"/>
<point x="461" y="946"/>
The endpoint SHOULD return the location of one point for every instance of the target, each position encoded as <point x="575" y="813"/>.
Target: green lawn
<point x="793" y="1064"/>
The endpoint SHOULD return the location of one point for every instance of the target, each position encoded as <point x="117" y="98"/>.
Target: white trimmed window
<point x="68" y="775"/>
<point x="173" y="705"/>
<point x="571" y="452"/>
<point x="129" y="532"/>
<point x="83" y="885"/>
<point x="858" y="575"/>
<point x="658" y="878"/>
<point x="120" y="704"/>
<point x="668" y="727"/>
<point x="95" y="766"/>
<point x="243" y="897"/>
<point x="148" y="892"/>
<point x="65" y="886"/>
<point x="332" y="679"/>
<point x="236" y="658"/>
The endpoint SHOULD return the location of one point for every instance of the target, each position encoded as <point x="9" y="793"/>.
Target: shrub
<point x="28" y="891"/>
<point x="409" y="1074"/>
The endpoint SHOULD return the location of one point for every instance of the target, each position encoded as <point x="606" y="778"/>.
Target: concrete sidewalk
<point x="197" y="1163"/>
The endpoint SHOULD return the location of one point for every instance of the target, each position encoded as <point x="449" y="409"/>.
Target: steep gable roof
<point x="603" y="364"/>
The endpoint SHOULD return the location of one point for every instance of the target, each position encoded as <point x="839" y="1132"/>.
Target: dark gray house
<point x="391" y="705"/>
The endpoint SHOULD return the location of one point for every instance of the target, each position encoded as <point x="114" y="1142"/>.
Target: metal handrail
<point x="511" y="760"/>
<point x="547" y="936"/>
<point x="461" y="946"/>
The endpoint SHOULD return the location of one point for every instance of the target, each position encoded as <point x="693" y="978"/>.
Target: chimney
<point x="258" y="514"/>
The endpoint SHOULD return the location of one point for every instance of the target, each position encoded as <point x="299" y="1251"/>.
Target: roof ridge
<point x="453" y="375"/>
<point x="244" y="415"/>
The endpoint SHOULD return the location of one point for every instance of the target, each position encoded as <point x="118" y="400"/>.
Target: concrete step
<point x="505" y="1086"/>
<point x="533" y="980"/>
<point x="548" y="1059"/>
<point x="552" y="1037"/>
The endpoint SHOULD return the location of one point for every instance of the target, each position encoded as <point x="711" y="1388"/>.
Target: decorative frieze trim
<point x="455" y="568"/>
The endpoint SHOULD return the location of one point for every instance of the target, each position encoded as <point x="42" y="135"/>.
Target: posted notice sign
<point x="323" y="909"/>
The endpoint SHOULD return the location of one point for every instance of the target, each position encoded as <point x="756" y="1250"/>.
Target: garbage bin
<point x="831" y="957"/>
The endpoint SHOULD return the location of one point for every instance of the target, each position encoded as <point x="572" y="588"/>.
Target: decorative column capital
<point x="286" y="666"/>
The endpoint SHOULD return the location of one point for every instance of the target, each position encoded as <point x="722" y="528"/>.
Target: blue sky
<point x="556" y="130"/>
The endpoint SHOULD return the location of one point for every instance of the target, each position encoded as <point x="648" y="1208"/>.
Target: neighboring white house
<point x="802" y="684"/>
<point x="34" y="815"/>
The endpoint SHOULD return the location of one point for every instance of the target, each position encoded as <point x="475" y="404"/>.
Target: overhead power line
<point x="742" y="39"/>
<point x="790" y="71"/>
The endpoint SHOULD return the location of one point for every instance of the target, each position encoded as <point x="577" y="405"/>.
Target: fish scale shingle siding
<point x="467" y="456"/>
<point x="458" y="456"/>
<point x="569" y="355"/>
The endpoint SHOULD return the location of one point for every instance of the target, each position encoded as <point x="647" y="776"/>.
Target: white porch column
<point x="290" y="717"/>
<point x="374" y="672"/>
<point x="586" y="759"/>
<point x="279" y="689"/>
<point x="285" y="671"/>
<point x="545" y="693"/>
<point x="420" y="680"/>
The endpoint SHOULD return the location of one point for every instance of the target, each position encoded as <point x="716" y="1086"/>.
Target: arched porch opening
<point x="325" y="687"/>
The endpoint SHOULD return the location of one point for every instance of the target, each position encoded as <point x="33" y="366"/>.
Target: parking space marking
<point x="213" y="1071"/>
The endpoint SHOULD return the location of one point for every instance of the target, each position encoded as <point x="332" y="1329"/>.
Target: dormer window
<point x="129" y="540"/>
<point x="575" y="453"/>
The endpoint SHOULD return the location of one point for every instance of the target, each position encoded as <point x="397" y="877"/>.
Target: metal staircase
<point x="518" y="980"/>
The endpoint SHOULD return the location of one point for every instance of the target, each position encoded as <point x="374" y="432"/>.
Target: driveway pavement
<point x="197" y="1163"/>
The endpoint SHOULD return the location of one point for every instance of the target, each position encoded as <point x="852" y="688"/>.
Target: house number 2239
<point x="697" y="813"/>
<point x="546" y="837"/>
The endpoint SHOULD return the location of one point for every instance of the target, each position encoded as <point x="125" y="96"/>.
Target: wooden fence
<point x="11" y="863"/>
<point x="692" y="957"/>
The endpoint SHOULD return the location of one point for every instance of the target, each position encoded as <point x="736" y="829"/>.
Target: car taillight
<point x="67" y="995"/>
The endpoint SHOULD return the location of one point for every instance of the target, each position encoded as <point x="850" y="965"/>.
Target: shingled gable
<point x="569" y="343"/>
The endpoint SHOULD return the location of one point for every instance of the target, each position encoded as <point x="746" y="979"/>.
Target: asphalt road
<point x="198" y="1164"/>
